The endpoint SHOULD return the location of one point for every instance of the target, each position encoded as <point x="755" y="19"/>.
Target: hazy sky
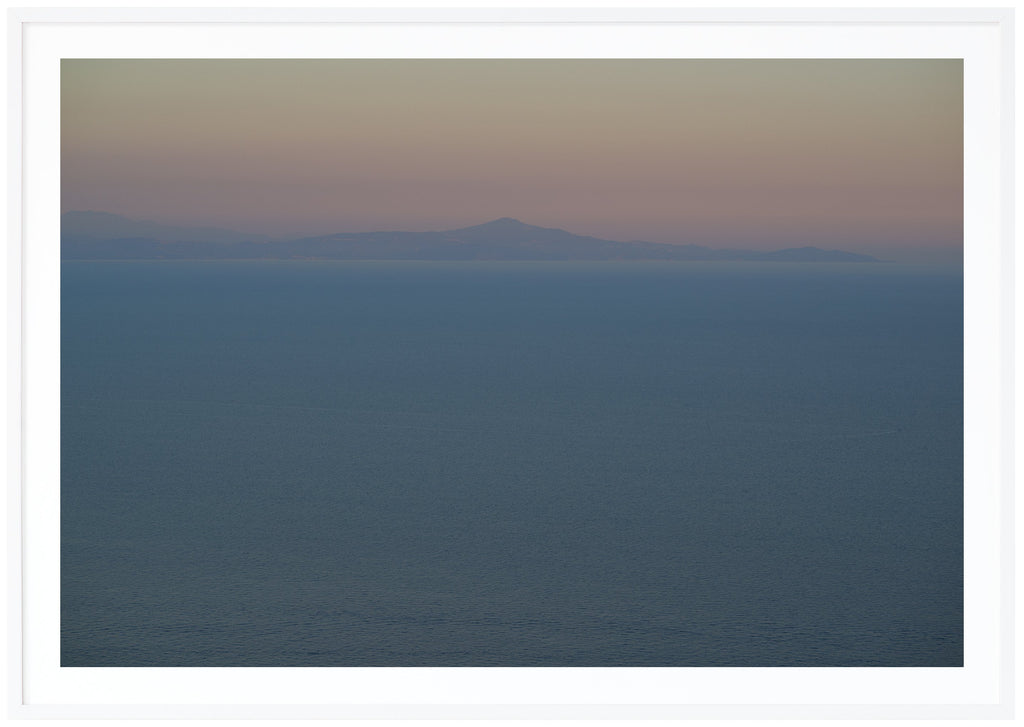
<point x="861" y="155"/>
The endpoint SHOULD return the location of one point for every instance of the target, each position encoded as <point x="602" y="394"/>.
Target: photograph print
<point x="525" y="362"/>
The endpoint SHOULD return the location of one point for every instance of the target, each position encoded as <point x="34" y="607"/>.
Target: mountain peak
<point x="506" y="223"/>
<point x="504" y="226"/>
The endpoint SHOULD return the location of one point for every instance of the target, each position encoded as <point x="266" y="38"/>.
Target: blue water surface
<point x="511" y="464"/>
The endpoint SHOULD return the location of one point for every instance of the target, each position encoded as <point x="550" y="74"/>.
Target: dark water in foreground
<point x="536" y="464"/>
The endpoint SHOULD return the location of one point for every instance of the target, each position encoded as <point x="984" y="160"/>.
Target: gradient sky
<point x="860" y="155"/>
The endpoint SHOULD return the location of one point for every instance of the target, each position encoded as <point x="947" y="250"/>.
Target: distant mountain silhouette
<point x="107" y="226"/>
<point x="104" y="236"/>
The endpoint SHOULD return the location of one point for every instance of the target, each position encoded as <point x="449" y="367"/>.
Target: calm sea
<point x="514" y="464"/>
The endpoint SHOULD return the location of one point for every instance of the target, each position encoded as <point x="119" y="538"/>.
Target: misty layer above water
<point x="537" y="464"/>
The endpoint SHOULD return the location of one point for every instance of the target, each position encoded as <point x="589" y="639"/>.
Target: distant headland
<point x="106" y="236"/>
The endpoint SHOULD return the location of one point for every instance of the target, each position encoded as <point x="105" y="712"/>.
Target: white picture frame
<point x="39" y="687"/>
